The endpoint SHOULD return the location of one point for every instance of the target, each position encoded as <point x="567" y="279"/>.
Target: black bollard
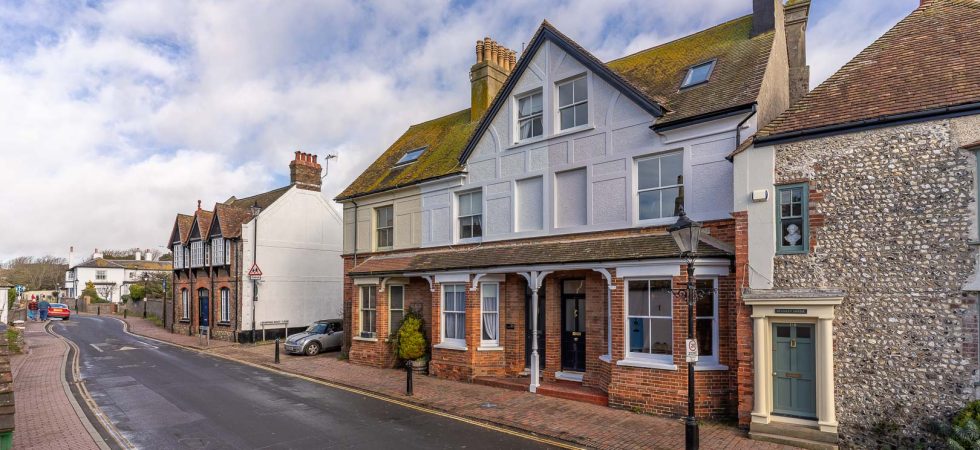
<point x="408" y="381"/>
<point x="277" y="350"/>
<point x="125" y="313"/>
<point x="98" y="310"/>
<point x="144" y="309"/>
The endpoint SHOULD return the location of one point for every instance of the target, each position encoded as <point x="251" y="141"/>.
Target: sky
<point x="116" y="115"/>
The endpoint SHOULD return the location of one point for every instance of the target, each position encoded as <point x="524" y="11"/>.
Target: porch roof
<point x="524" y="253"/>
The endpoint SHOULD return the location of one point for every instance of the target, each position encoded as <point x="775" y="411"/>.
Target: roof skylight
<point x="411" y="156"/>
<point x="698" y="74"/>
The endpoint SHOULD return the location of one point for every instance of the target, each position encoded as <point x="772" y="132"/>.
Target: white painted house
<point x="111" y="277"/>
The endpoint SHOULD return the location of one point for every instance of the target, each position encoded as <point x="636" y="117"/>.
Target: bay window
<point x="650" y="320"/>
<point x="490" y="308"/>
<point x="660" y="186"/>
<point x="454" y="314"/>
<point x="197" y="254"/>
<point x="217" y="251"/>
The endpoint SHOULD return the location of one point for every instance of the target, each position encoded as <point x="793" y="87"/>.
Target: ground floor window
<point x="491" y="314"/>
<point x="650" y="320"/>
<point x="706" y="328"/>
<point x="396" y="306"/>
<point x="369" y="313"/>
<point x="454" y="313"/>
<point x="225" y="306"/>
<point x="185" y="304"/>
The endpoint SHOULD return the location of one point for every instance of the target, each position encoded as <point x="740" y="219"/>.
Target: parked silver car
<point x="322" y="334"/>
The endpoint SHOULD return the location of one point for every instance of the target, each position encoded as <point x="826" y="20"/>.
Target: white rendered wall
<point x="408" y="220"/>
<point x="754" y="170"/>
<point x="299" y="251"/>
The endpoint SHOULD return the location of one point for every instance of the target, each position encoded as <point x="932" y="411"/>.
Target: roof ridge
<point x="687" y="36"/>
<point x="262" y="193"/>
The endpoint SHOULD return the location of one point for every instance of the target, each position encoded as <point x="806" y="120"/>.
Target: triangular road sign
<point x="255" y="272"/>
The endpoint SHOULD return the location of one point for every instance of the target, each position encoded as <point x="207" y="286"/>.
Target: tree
<point x="136" y="292"/>
<point x="11" y="298"/>
<point x="90" y="291"/>
<point x="411" y="341"/>
<point x="43" y="273"/>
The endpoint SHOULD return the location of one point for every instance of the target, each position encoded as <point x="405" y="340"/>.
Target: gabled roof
<point x="230" y="219"/>
<point x="264" y="199"/>
<point x="182" y="225"/>
<point x="202" y="223"/>
<point x="102" y="263"/>
<point x="925" y="66"/>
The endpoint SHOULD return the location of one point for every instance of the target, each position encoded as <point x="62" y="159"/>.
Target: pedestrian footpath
<point x="44" y="417"/>
<point x="581" y="423"/>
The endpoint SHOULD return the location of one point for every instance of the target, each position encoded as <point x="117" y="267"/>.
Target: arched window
<point x="185" y="304"/>
<point x="225" y="306"/>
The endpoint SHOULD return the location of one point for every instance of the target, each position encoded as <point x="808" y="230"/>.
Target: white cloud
<point x="117" y="116"/>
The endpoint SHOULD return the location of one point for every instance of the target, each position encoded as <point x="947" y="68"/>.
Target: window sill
<point x="490" y="348"/>
<point x="606" y="359"/>
<point x="450" y="346"/>
<point x="184" y="321"/>
<point x="364" y="339"/>
<point x="573" y="130"/>
<point x="646" y="364"/>
<point x="224" y="324"/>
<point x="655" y="222"/>
<point x="710" y="367"/>
<point x="472" y="240"/>
<point x="528" y="141"/>
<point x="792" y="252"/>
<point x="973" y="242"/>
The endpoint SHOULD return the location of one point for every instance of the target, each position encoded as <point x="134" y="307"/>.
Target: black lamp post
<point x="146" y="277"/>
<point x="686" y="234"/>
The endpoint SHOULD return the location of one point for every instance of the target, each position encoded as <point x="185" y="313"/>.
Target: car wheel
<point x="312" y="349"/>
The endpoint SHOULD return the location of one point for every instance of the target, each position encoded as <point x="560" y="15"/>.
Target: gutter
<point x="715" y="115"/>
<point x="869" y="124"/>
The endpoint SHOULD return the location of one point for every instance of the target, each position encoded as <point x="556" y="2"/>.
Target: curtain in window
<point x="491" y="317"/>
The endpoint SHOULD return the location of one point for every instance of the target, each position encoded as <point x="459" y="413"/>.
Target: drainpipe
<point x="738" y="128"/>
<point x="255" y="283"/>
<point x="238" y="275"/>
<point x="355" y="231"/>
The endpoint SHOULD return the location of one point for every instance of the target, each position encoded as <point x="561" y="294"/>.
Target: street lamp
<point x="146" y="277"/>
<point x="686" y="234"/>
<point x="256" y="209"/>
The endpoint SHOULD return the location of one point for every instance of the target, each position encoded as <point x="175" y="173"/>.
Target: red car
<point x="59" y="311"/>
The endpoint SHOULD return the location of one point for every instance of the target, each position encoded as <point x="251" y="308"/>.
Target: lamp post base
<point x="691" y="433"/>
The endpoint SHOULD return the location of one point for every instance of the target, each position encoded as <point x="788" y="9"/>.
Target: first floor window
<point x="529" y="113"/>
<point x="197" y="254"/>
<point x="491" y="313"/>
<point x="791" y="216"/>
<point x="225" y="305"/>
<point x="100" y="275"/>
<point x="573" y="103"/>
<point x="650" y="319"/>
<point x="396" y="306"/>
<point x="227" y="252"/>
<point x="471" y="215"/>
<point x="369" y="313"/>
<point x="178" y="255"/>
<point x="706" y="328"/>
<point x="217" y="252"/>
<point x="454" y="313"/>
<point x="660" y="186"/>
<point x="385" y="226"/>
<point x="185" y="304"/>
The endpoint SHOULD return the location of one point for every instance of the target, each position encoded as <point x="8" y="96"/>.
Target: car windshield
<point x="59" y="305"/>
<point x="317" y="328"/>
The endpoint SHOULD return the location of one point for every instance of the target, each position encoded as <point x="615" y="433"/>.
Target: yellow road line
<point x="367" y="393"/>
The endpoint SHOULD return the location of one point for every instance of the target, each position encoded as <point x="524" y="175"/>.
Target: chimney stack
<point x="96" y="254"/>
<point x="304" y="171"/>
<point x="147" y="255"/>
<point x="138" y="257"/>
<point x="494" y="62"/>
<point x="795" y="17"/>
<point x="764" y="16"/>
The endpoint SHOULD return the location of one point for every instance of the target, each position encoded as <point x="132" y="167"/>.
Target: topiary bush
<point x="411" y="341"/>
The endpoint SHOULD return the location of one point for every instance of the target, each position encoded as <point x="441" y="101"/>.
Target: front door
<point x="793" y="370"/>
<point x="527" y="326"/>
<point x="573" y="325"/>
<point x="202" y="297"/>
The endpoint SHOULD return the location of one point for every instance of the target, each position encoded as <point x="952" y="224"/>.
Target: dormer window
<point x="698" y="74"/>
<point x="411" y="156"/>
<point x="529" y="108"/>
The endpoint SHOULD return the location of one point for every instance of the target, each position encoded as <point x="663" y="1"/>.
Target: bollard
<point x="408" y="381"/>
<point x="98" y="310"/>
<point x="125" y="313"/>
<point x="277" y="350"/>
<point x="144" y="309"/>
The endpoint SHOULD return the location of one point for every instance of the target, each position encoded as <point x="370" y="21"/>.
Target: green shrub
<point x="137" y="293"/>
<point x="91" y="293"/>
<point x="12" y="340"/>
<point x="411" y="343"/>
<point x="11" y="298"/>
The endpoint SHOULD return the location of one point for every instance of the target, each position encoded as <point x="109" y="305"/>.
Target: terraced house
<point x="530" y="229"/>
<point x="857" y="216"/>
<point x="290" y="234"/>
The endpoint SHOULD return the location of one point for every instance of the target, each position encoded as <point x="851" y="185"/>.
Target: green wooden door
<point x="794" y="390"/>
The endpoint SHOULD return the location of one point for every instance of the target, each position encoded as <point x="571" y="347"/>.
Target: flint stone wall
<point x="896" y="216"/>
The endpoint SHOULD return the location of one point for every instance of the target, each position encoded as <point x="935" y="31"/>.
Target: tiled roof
<point x="102" y="263"/>
<point x="650" y="246"/>
<point x="444" y="137"/>
<point x="264" y="199"/>
<point x="972" y="146"/>
<point x="230" y="219"/>
<point x="740" y="64"/>
<point x="928" y="61"/>
<point x="204" y="218"/>
<point x="655" y="73"/>
<point x="184" y="223"/>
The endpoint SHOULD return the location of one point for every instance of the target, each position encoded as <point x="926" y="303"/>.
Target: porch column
<point x="534" y="280"/>
<point x="827" y="416"/>
<point x="760" y="394"/>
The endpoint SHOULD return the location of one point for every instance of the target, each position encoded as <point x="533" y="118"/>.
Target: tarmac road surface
<point x="160" y="397"/>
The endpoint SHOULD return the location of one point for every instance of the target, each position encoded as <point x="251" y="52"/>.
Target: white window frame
<point x="373" y="289"/>
<point x="713" y="359"/>
<point x="217" y="251"/>
<point x="227" y="252"/>
<point x="101" y="275"/>
<point x="557" y="107"/>
<point x="483" y="312"/>
<point x="459" y="216"/>
<point x="655" y="358"/>
<point x="392" y="326"/>
<point x="686" y="83"/>
<point x="378" y="228"/>
<point x="518" y="139"/>
<point x="187" y="256"/>
<point x="178" y="255"/>
<point x="456" y="288"/>
<point x="185" y="304"/>
<point x="197" y="253"/>
<point x="636" y="188"/>
<point x="225" y="294"/>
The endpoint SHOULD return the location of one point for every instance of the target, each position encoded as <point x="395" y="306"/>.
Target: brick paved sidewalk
<point x="582" y="423"/>
<point x="44" y="417"/>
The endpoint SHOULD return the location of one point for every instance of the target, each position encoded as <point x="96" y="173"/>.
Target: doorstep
<point x="567" y="390"/>
<point x="802" y="436"/>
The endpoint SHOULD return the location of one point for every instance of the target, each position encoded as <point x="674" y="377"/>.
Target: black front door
<point x="202" y="297"/>
<point x="527" y="326"/>
<point x="573" y="325"/>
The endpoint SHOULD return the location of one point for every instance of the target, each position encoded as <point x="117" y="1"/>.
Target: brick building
<point x="295" y="241"/>
<point x="856" y="213"/>
<point x="530" y="229"/>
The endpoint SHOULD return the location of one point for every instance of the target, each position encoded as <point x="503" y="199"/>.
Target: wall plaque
<point x="790" y="310"/>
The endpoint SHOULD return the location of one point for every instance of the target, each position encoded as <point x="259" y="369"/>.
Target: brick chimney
<point x="795" y="16"/>
<point x="494" y="63"/>
<point x="304" y="172"/>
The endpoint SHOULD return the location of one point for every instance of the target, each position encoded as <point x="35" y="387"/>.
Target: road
<point x="159" y="396"/>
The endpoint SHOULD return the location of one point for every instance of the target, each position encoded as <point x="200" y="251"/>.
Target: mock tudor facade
<point x="530" y="229"/>
<point x="296" y="245"/>
<point x="857" y="231"/>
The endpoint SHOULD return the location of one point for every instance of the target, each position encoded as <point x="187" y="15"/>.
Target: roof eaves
<point x="398" y="186"/>
<point x="707" y="117"/>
